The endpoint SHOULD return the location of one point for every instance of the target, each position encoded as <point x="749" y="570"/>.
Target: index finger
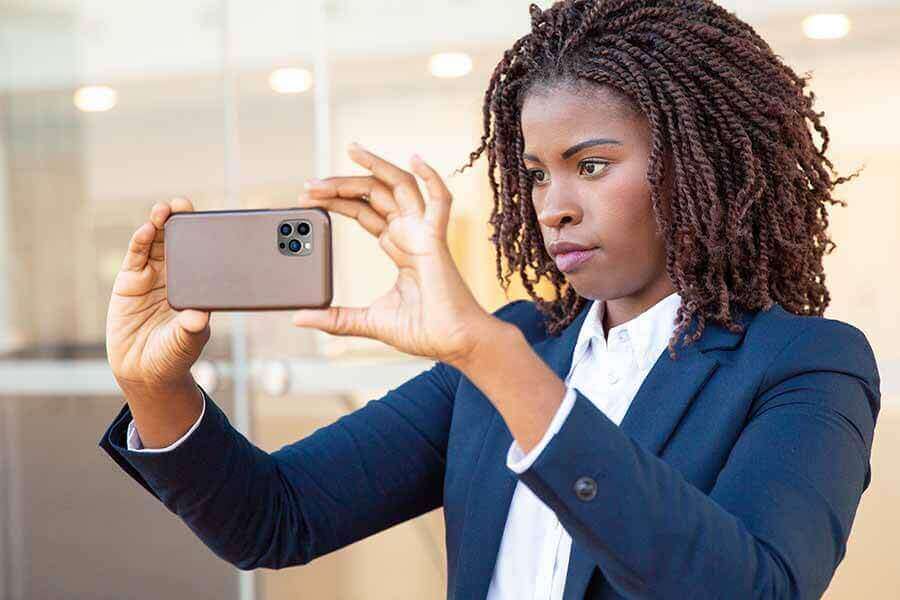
<point x="161" y="212"/>
<point x="403" y="183"/>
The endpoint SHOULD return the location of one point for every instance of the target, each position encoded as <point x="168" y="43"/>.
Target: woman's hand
<point x="429" y="311"/>
<point x="147" y="342"/>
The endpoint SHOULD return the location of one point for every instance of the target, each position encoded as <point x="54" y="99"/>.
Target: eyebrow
<point x="577" y="148"/>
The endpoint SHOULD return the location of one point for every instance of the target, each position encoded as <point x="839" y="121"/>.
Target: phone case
<point x="232" y="260"/>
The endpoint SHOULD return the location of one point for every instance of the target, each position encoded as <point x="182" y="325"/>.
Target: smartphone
<point x="249" y="260"/>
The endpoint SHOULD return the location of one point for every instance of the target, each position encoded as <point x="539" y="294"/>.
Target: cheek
<point x="632" y="225"/>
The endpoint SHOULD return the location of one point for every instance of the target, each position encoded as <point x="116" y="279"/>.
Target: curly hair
<point x="747" y="218"/>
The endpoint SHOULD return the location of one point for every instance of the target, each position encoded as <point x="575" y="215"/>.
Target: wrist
<point x="162" y="387"/>
<point x="491" y="337"/>
<point x="163" y="411"/>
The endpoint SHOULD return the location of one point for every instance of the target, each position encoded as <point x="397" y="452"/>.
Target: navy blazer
<point x="736" y="472"/>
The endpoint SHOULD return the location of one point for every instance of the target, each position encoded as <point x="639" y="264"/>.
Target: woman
<point x="679" y="421"/>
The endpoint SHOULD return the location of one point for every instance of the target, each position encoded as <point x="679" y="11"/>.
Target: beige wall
<point x="869" y="569"/>
<point x="405" y="562"/>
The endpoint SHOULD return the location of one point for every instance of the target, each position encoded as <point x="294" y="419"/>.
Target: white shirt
<point x="534" y="552"/>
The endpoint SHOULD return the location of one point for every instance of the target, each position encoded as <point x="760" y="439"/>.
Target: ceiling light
<point x="94" y="98"/>
<point x="290" y="80"/>
<point x="450" y="64"/>
<point x="826" y="26"/>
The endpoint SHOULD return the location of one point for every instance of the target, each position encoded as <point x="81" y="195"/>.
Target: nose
<point x="556" y="213"/>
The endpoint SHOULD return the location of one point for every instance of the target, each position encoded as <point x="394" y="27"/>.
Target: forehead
<point x="563" y="111"/>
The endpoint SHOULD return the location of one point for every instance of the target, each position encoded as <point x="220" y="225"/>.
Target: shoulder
<point x="789" y="342"/>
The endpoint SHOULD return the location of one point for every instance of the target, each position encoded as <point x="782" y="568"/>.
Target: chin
<point x="599" y="284"/>
<point x="587" y="286"/>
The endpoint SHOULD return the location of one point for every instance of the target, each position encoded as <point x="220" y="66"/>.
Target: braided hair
<point x="746" y="222"/>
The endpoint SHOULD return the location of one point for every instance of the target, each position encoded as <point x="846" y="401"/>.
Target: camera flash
<point x="307" y="244"/>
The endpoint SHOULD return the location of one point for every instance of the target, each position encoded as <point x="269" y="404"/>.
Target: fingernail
<point x="356" y="145"/>
<point x="417" y="158"/>
<point x="311" y="182"/>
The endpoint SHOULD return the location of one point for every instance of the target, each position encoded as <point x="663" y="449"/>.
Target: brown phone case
<point x="233" y="259"/>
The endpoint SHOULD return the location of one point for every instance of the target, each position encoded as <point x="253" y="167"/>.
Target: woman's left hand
<point x="429" y="311"/>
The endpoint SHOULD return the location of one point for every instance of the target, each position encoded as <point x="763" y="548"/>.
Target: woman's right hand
<point x="147" y="342"/>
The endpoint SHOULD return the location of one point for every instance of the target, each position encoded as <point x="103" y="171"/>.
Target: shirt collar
<point x="647" y="334"/>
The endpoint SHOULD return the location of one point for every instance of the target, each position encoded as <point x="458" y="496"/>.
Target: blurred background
<point x="109" y="106"/>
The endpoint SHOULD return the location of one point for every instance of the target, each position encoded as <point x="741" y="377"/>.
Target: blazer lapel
<point x="655" y="411"/>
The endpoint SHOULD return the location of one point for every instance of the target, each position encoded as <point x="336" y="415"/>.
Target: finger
<point x="360" y="210"/>
<point x="181" y="204"/>
<point x="336" y="320"/>
<point x="353" y="188"/>
<point x="139" y="248"/>
<point x="161" y="212"/>
<point x="193" y="321"/>
<point x="158" y="215"/>
<point x="437" y="205"/>
<point x="403" y="183"/>
<point x="158" y="251"/>
<point x="191" y="340"/>
<point x="365" y="216"/>
<point x="397" y="255"/>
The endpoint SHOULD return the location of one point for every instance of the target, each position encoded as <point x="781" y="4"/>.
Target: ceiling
<point x="53" y="44"/>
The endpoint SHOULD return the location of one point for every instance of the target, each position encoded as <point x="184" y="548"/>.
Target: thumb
<point x="191" y="331"/>
<point x="336" y="320"/>
<point x="193" y="321"/>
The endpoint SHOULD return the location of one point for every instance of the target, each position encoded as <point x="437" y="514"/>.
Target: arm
<point x="775" y="524"/>
<point x="134" y="441"/>
<point x="371" y="469"/>
<point x="518" y="461"/>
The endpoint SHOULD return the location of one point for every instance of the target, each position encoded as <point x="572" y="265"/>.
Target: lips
<point x="569" y="261"/>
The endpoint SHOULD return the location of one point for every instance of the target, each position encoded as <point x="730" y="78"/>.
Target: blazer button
<point x="585" y="488"/>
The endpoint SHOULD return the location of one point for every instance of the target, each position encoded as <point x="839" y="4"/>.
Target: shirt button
<point x="612" y="377"/>
<point x="623" y="335"/>
<point x="585" y="488"/>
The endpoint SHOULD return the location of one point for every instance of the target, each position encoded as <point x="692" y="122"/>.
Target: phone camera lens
<point x="285" y="229"/>
<point x="295" y="246"/>
<point x="303" y="228"/>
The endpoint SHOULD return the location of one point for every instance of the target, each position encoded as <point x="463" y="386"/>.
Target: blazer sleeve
<point x="776" y="522"/>
<point x="369" y="470"/>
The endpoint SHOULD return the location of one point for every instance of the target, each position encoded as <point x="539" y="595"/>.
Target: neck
<point x="621" y="310"/>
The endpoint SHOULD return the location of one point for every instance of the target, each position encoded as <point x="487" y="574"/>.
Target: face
<point x="587" y="153"/>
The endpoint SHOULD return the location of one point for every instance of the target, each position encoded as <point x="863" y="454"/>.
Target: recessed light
<point x="290" y="80"/>
<point x="826" y="26"/>
<point x="94" y="98"/>
<point x="450" y="64"/>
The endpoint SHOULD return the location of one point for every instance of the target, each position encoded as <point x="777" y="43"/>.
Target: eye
<point x="590" y="167"/>
<point x="593" y="167"/>
<point x="537" y="176"/>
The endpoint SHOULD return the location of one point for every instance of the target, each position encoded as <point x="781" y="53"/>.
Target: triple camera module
<point x="295" y="238"/>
